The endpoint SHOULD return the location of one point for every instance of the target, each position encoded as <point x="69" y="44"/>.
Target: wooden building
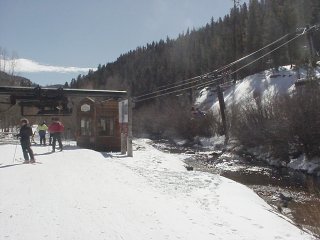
<point x="98" y="125"/>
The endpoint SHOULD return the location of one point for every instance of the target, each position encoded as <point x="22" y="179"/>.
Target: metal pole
<point x="123" y="119"/>
<point x="312" y="62"/>
<point x="129" y="140"/>
<point x="123" y="144"/>
<point x="222" y="111"/>
<point x="235" y="75"/>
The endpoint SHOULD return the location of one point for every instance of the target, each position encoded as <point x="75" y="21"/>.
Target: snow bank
<point x="302" y="163"/>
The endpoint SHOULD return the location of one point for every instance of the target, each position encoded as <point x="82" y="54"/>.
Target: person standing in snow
<point x="50" y="138"/>
<point x="42" y="129"/>
<point x="25" y="134"/>
<point x="56" y="128"/>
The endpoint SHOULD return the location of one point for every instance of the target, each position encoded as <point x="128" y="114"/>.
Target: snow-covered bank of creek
<point x="293" y="193"/>
<point x="83" y="194"/>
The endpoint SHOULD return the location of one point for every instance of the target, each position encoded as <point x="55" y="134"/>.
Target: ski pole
<point x="15" y="150"/>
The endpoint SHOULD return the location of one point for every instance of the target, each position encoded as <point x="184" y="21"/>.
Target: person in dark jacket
<point x="56" y="128"/>
<point x="25" y="134"/>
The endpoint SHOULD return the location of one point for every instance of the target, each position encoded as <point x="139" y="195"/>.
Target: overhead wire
<point x="255" y="60"/>
<point x="197" y="78"/>
<point x="200" y="77"/>
<point x="249" y="55"/>
<point x="167" y="93"/>
<point x="211" y="79"/>
<point x="273" y="50"/>
<point x="194" y="79"/>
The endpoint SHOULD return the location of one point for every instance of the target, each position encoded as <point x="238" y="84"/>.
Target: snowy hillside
<point x="83" y="194"/>
<point x="265" y="83"/>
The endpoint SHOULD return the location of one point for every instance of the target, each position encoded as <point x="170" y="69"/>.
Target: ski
<point x="22" y="161"/>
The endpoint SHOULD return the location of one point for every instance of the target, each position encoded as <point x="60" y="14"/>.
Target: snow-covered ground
<point x="83" y="194"/>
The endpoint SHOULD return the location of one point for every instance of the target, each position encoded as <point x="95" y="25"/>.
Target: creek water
<point x="295" y="194"/>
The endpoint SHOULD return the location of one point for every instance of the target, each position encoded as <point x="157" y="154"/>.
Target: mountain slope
<point x="11" y="80"/>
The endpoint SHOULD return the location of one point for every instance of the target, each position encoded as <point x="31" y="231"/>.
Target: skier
<point x="56" y="128"/>
<point x="42" y="128"/>
<point x="25" y="134"/>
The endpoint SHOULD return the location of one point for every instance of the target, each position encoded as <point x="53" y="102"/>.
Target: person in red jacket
<point x="56" y="128"/>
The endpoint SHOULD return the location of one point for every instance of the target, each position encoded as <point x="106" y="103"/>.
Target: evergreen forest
<point x="247" y="28"/>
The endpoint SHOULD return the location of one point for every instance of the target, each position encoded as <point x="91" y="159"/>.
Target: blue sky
<point x="54" y="35"/>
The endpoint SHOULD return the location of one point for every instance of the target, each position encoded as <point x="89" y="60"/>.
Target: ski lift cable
<point x="221" y="69"/>
<point x="249" y="55"/>
<point x="167" y="93"/>
<point x="205" y="76"/>
<point x="273" y="50"/>
<point x="208" y="83"/>
<point x="203" y="84"/>
<point x="304" y="31"/>
<point x="197" y="78"/>
<point x="185" y="80"/>
<point x="159" y="94"/>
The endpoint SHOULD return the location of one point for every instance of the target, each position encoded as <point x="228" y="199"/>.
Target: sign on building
<point x="123" y="111"/>
<point x="85" y="108"/>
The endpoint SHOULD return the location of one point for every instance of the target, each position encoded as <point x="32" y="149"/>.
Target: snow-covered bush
<point x="304" y="117"/>
<point x="284" y="124"/>
<point x="261" y="124"/>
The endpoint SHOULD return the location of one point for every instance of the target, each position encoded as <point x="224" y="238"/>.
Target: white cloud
<point x="29" y="66"/>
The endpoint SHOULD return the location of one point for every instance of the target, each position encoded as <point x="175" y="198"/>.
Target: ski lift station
<point x="98" y="123"/>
